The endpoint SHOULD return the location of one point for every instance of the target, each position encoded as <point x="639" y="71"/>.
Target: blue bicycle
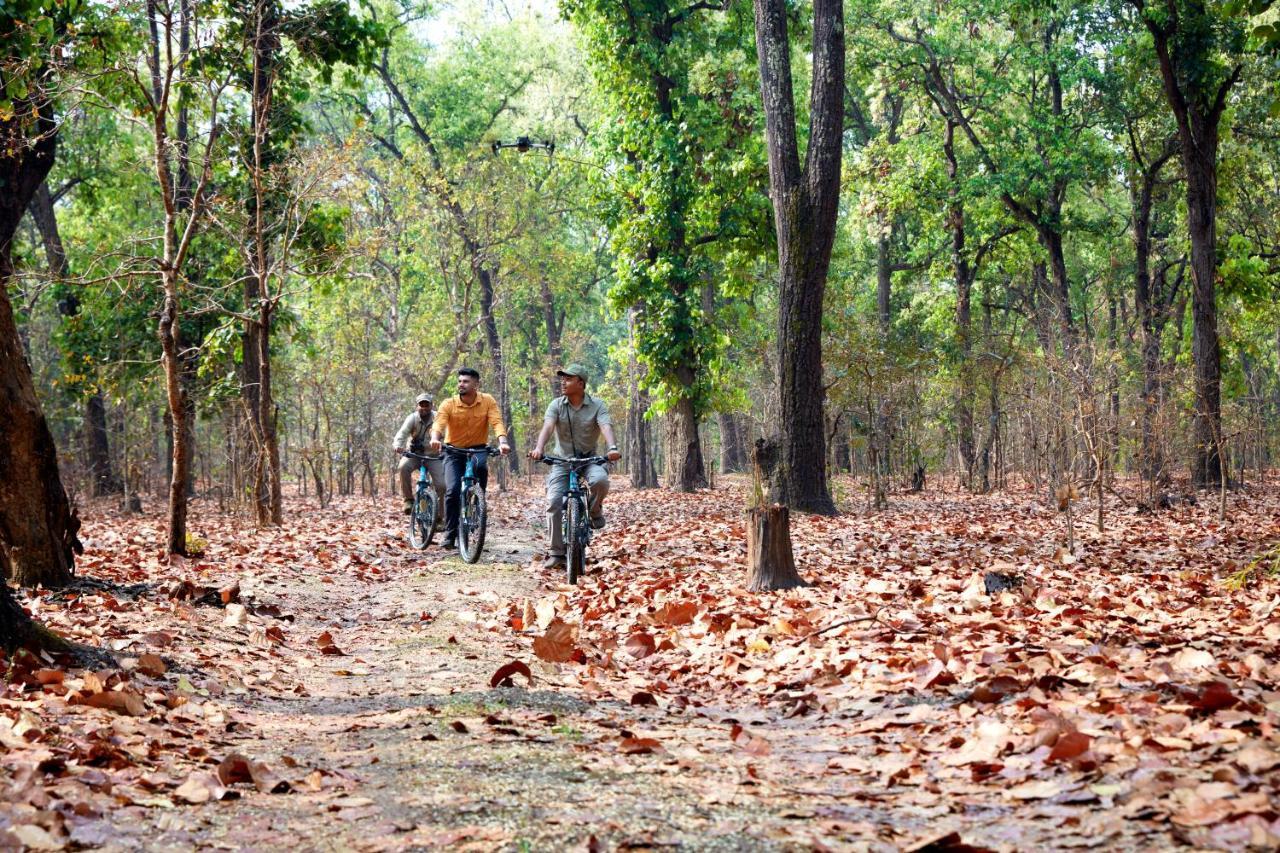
<point x="575" y="522"/>
<point x="422" y="517"/>
<point x="472" y="516"/>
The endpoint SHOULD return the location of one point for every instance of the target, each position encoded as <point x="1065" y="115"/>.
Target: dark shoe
<point x="449" y="543"/>
<point x="554" y="561"/>
<point x="597" y="522"/>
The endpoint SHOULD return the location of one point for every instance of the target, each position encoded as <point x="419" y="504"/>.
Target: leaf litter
<point x="1121" y="689"/>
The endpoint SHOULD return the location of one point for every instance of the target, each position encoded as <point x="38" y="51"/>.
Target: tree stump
<point x="770" y="562"/>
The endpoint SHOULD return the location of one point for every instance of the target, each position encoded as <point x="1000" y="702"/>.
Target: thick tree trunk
<point x="805" y="203"/>
<point x="1202" y="206"/>
<point x="37" y="524"/>
<point x="17" y="630"/>
<point x="733" y="450"/>
<point x="98" y="452"/>
<point x="684" y="469"/>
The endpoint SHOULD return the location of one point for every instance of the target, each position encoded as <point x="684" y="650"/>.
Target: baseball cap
<point x="574" y="369"/>
<point x="422" y="398"/>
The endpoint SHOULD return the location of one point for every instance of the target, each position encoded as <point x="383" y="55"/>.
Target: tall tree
<point x="1198" y="48"/>
<point x="37" y="524"/>
<point x="805" y="202"/>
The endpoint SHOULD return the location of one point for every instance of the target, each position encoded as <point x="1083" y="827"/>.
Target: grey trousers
<point x="408" y="471"/>
<point x="557" y="485"/>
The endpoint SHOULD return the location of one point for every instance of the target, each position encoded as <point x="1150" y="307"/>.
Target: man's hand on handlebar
<point x="435" y="445"/>
<point x="535" y="454"/>
<point x="503" y="447"/>
<point x="613" y="456"/>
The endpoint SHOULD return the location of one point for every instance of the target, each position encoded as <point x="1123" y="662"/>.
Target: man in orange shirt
<point x="464" y="421"/>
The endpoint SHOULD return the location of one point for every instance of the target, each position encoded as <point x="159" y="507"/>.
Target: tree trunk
<point x="105" y="482"/>
<point x="684" y="469"/>
<point x="639" y="438"/>
<point x="1202" y="205"/>
<point x="37" y="524"/>
<point x="963" y="272"/>
<point x="1197" y="101"/>
<point x="258" y="300"/>
<point x="805" y="205"/>
<point x="554" y="323"/>
<point x="176" y="394"/>
<point x="733" y="451"/>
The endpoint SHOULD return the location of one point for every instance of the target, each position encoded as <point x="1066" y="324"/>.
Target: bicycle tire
<point x="471" y="527"/>
<point x="574" y="547"/>
<point x="427" y="520"/>
<point x="423" y="509"/>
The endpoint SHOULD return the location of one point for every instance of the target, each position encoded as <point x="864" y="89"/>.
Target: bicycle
<point x="575" y="523"/>
<point x="422" y="517"/>
<point x="472" y="516"/>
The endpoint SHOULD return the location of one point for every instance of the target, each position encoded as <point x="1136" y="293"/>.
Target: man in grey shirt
<point x="578" y="420"/>
<point x="413" y="436"/>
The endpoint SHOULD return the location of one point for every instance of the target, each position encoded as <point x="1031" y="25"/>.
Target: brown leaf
<point x="643" y="698"/>
<point x="996" y="689"/>
<point x="152" y="665"/>
<point x="230" y="593"/>
<point x="676" y="614"/>
<point x="757" y="746"/>
<point x="327" y="646"/>
<point x="200" y="788"/>
<point x="502" y="676"/>
<point x="1069" y="746"/>
<point x="1214" y="696"/>
<point x="638" y="746"/>
<point x="234" y="768"/>
<point x="640" y="645"/>
<point x="557" y="644"/>
<point x="120" y="701"/>
<point x="49" y="676"/>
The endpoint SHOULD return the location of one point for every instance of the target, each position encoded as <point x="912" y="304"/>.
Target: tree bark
<point x="770" y="562"/>
<point x="804" y="204"/>
<point x="37" y="524"/>
<point x="639" y="438"/>
<point x="733" y="450"/>
<point x="684" y="468"/>
<point x="1198" y="101"/>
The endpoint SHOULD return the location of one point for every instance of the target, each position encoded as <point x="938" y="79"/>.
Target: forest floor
<point x="323" y="686"/>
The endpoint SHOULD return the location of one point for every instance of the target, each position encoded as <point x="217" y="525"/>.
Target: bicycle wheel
<point x="424" y="513"/>
<point x="574" y="545"/>
<point x="471" y="527"/>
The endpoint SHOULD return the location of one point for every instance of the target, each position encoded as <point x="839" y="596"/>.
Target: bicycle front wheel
<point x="471" y="527"/>
<point x="423" y="520"/>
<point x="575" y="545"/>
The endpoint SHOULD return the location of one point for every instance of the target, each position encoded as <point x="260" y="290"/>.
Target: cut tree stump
<point x="770" y="563"/>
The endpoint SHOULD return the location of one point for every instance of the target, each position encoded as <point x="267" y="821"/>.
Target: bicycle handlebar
<point x="492" y="451"/>
<point x="423" y="457"/>
<point x="582" y="461"/>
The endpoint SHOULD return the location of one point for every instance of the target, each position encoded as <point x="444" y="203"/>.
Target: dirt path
<point x="403" y="744"/>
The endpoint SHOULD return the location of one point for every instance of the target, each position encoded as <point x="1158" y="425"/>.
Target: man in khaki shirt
<point x="578" y="421"/>
<point x="464" y="421"/>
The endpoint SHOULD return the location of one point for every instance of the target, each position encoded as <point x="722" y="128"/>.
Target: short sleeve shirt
<point x="577" y="430"/>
